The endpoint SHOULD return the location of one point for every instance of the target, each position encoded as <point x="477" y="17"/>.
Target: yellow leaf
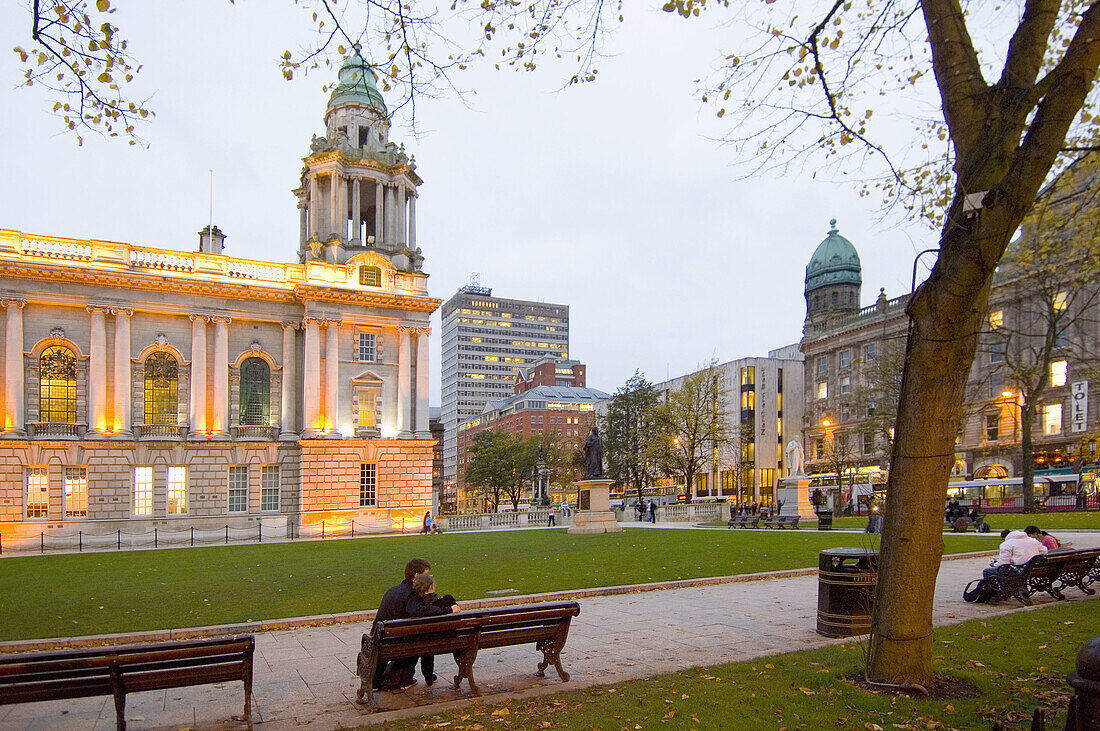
<point x="102" y="5"/>
<point x="501" y="712"/>
<point x="769" y="666"/>
<point x="872" y="726"/>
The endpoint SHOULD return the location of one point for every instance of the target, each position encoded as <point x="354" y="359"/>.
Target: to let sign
<point x="1080" y="406"/>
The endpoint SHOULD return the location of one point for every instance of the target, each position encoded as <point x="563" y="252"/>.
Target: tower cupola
<point x="833" y="277"/>
<point x="357" y="193"/>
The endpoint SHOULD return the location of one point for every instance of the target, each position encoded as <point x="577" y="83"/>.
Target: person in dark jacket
<point x="424" y="602"/>
<point x="398" y="674"/>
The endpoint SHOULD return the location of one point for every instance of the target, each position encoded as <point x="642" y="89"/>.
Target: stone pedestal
<point x="794" y="491"/>
<point x="594" y="508"/>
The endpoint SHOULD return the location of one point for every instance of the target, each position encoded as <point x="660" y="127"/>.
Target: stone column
<point x="14" y="402"/>
<point x="333" y="182"/>
<point x="342" y="207"/>
<point x="303" y="223"/>
<point x="219" y="414"/>
<point x="287" y="403"/>
<point x="389" y="233"/>
<point x="412" y="220"/>
<point x="422" y="387"/>
<point x="197" y="413"/>
<point x="122" y="394"/>
<point x="404" y="384"/>
<point x="311" y="378"/>
<point x="402" y="215"/>
<point x="379" y="211"/>
<point x="314" y="206"/>
<point x="97" y="372"/>
<point x="356" y="212"/>
<point x="332" y="377"/>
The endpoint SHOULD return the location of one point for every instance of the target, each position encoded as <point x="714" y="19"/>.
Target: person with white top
<point x="1017" y="549"/>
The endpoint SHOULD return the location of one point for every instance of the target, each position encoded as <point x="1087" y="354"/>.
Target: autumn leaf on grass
<point x="807" y="691"/>
<point x="501" y="712"/>
<point x="872" y="726"/>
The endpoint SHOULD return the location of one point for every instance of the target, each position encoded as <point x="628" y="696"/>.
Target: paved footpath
<point x="307" y="676"/>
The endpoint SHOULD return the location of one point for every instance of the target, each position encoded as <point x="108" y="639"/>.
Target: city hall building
<point x="146" y="388"/>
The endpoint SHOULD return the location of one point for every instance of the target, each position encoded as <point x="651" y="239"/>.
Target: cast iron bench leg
<point x="551" y="655"/>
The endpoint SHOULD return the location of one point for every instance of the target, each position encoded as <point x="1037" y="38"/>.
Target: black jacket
<point x="393" y="602"/>
<point x="428" y="605"/>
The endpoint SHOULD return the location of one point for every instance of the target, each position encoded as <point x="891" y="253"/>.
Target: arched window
<point x="57" y="385"/>
<point x="255" y="392"/>
<point x="162" y="376"/>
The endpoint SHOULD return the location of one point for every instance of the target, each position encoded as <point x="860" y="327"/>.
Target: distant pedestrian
<point x="550" y="518"/>
<point x="652" y="512"/>
<point x="733" y="511"/>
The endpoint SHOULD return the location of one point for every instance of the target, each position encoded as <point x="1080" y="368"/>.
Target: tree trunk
<point x="945" y="315"/>
<point x="1027" y="468"/>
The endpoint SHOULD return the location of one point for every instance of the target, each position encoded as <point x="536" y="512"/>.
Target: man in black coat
<point x="399" y="672"/>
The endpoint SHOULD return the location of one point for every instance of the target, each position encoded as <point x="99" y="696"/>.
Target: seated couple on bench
<point x="413" y="597"/>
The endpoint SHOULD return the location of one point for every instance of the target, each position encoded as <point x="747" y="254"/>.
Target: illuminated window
<point x="143" y="491"/>
<point x="992" y="427"/>
<point x="366" y="409"/>
<point x="1059" y="369"/>
<point x="370" y="276"/>
<point x="368" y="485"/>
<point x="238" y="489"/>
<point x="996" y="319"/>
<point x="823" y="390"/>
<point x="162" y="374"/>
<point x="177" y="490"/>
<point x="38" y="493"/>
<point x="1052" y="419"/>
<point x="57" y="385"/>
<point x="255" y="392"/>
<point x="269" y="487"/>
<point x="365" y="351"/>
<point x="1060" y="301"/>
<point x="492" y="358"/>
<point x="748" y="376"/>
<point x="76" y="492"/>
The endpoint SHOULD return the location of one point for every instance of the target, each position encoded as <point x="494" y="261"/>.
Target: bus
<point x="1005" y="494"/>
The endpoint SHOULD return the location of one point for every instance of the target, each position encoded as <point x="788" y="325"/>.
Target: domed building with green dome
<point x="833" y="277"/>
<point x="357" y="193"/>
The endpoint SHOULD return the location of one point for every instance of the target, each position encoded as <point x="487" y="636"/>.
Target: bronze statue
<point x="593" y="455"/>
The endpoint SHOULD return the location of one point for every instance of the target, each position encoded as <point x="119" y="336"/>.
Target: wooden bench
<point x="744" y="521"/>
<point x="1051" y="573"/>
<point x="116" y="671"/>
<point x="782" y="521"/>
<point x="464" y="633"/>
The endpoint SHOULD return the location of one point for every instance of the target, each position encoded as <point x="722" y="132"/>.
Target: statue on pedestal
<point x="593" y="455"/>
<point x="796" y="458"/>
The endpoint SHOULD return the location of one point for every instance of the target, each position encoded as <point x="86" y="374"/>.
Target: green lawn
<point x="1018" y="662"/>
<point x="80" y="594"/>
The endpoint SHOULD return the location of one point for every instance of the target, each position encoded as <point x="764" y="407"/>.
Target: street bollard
<point x="1084" y="706"/>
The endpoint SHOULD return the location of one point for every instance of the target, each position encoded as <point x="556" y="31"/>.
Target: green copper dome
<point x="835" y="261"/>
<point x="357" y="84"/>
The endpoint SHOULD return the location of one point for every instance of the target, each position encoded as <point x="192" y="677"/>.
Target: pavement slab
<point x="307" y="676"/>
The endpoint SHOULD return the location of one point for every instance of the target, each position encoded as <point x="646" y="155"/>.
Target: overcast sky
<point x="611" y="197"/>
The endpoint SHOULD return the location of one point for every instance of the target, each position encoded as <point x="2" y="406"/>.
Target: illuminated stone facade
<point x="147" y="387"/>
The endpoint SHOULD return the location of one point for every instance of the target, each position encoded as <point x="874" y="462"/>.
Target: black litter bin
<point x="846" y="591"/>
<point x="825" y="520"/>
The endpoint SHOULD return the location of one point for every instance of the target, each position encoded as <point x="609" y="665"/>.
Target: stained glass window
<point x="255" y="392"/>
<point x="162" y="374"/>
<point x="57" y="385"/>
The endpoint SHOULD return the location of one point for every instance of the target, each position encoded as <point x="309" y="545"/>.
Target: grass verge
<point x="92" y="593"/>
<point x="1018" y="661"/>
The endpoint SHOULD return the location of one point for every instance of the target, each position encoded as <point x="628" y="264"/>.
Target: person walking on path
<point x="550" y="518"/>
<point x="652" y="512"/>
<point x="398" y="674"/>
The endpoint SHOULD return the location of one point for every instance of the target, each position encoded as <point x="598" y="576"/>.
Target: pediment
<point x="367" y="378"/>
